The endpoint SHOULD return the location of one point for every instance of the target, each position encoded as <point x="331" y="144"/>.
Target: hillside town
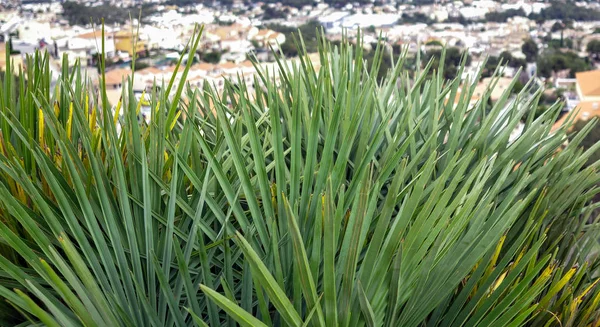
<point x="259" y="163"/>
<point x="556" y="43"/>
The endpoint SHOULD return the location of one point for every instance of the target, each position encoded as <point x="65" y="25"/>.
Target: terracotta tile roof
<point x="149" y="71"/>
<point x="171" y="69"/>
<point x="125" y="33"/>
<point x="589" y="82"/>
<point x="264" y="32"/>
<point x="231" y="38"/>
<point x="459" y="97"/>
<point x="585" y="110"/>
<point x="116" y="76"/>
<point x="499" y="84"/>
<point x="228" y="65"/>
<point x="247" y="64"/>
<point x="229" y="31"/>
<point x="93" y="35"/>
<point x="203" y="66"/>
<point x="239" y="26"/>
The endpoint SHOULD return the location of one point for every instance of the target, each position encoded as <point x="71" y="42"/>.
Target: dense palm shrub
<point x="321" y="197"/>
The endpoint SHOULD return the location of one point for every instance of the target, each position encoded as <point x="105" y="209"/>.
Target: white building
<point x="91" y="42"/>
<point x="367" y="20"/>
<point x="333" y="20"/>
<point x="473" y="13"/>
<point x="537" y="7"/>
<point x="527" y="7"/>
<point x="267" y="37"/>
<point x="162" y="38"/>
<point x="33" y="31"/>
<point x="440" y="15"/>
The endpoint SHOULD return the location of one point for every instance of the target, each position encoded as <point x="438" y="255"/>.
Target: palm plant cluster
<point x="322" y="198"/>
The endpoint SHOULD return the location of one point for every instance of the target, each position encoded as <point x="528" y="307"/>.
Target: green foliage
<point x="557" y="26"/>
<point x="453" y="60"/>
<point x="184" y="3"/>
<point x="309" y="32"/>
<point x="294" y="3"/>
<point x="382" y="61"/>
<point x="589" y="141"/>
<point x="530" y="49"/>
<point x="490" y="66"/>
<point x="139" y="65"/>
<point x="324" y="198"/>
<point x="506" y="59"/>
<point x="511" y="61"/>
<point x="81" y="14"/>
<point x="517" y="88"/>
<point x="458" y="19"/>
<point x="563" y="43"/>
<point x="435" y="43"/>
<point x="566" y="10"/>
<point x="273" y="12"/>
<point x="213" y="57"/>
<point x="302" y="3"/>
<point x="593" y="48"/>
<point x="503" y="16"/>
<point x="9" y="47"/>
<point x="554" y="61"/>
<point x="423" y="2"/>
<point x="415" y="18"/>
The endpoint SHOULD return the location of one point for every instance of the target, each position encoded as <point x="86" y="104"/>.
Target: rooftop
<point x="116" y="76"/>
<point x="589" y="82"/>
<point x="93" y="35"/>
<point x="585" y="110"/>
<point x="150" y="71"/>
<point x="228" y="65"/>
<point x="203" y="66"/>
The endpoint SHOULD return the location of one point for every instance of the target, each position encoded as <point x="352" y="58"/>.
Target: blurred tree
<point x="503" y="16"/>
<point x="593" y="49"/>
<point x="80" y="14"/>
<point x="415" y="18"/>
<point x="554" y="61"/>
<point x="530" y="49"/>
<point x="557" y="44"/>
<point x="589" y="140"/>
<point x="566" y="10"/>
<point x="309" y="33"/>
<point x="452" y="60"/>
<point x="558" y="26"/>
<point x="213" y="57"/>
<point x="270" y="12"/>
<point x="435" y="43"/>
<point x="511" y="61"/>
